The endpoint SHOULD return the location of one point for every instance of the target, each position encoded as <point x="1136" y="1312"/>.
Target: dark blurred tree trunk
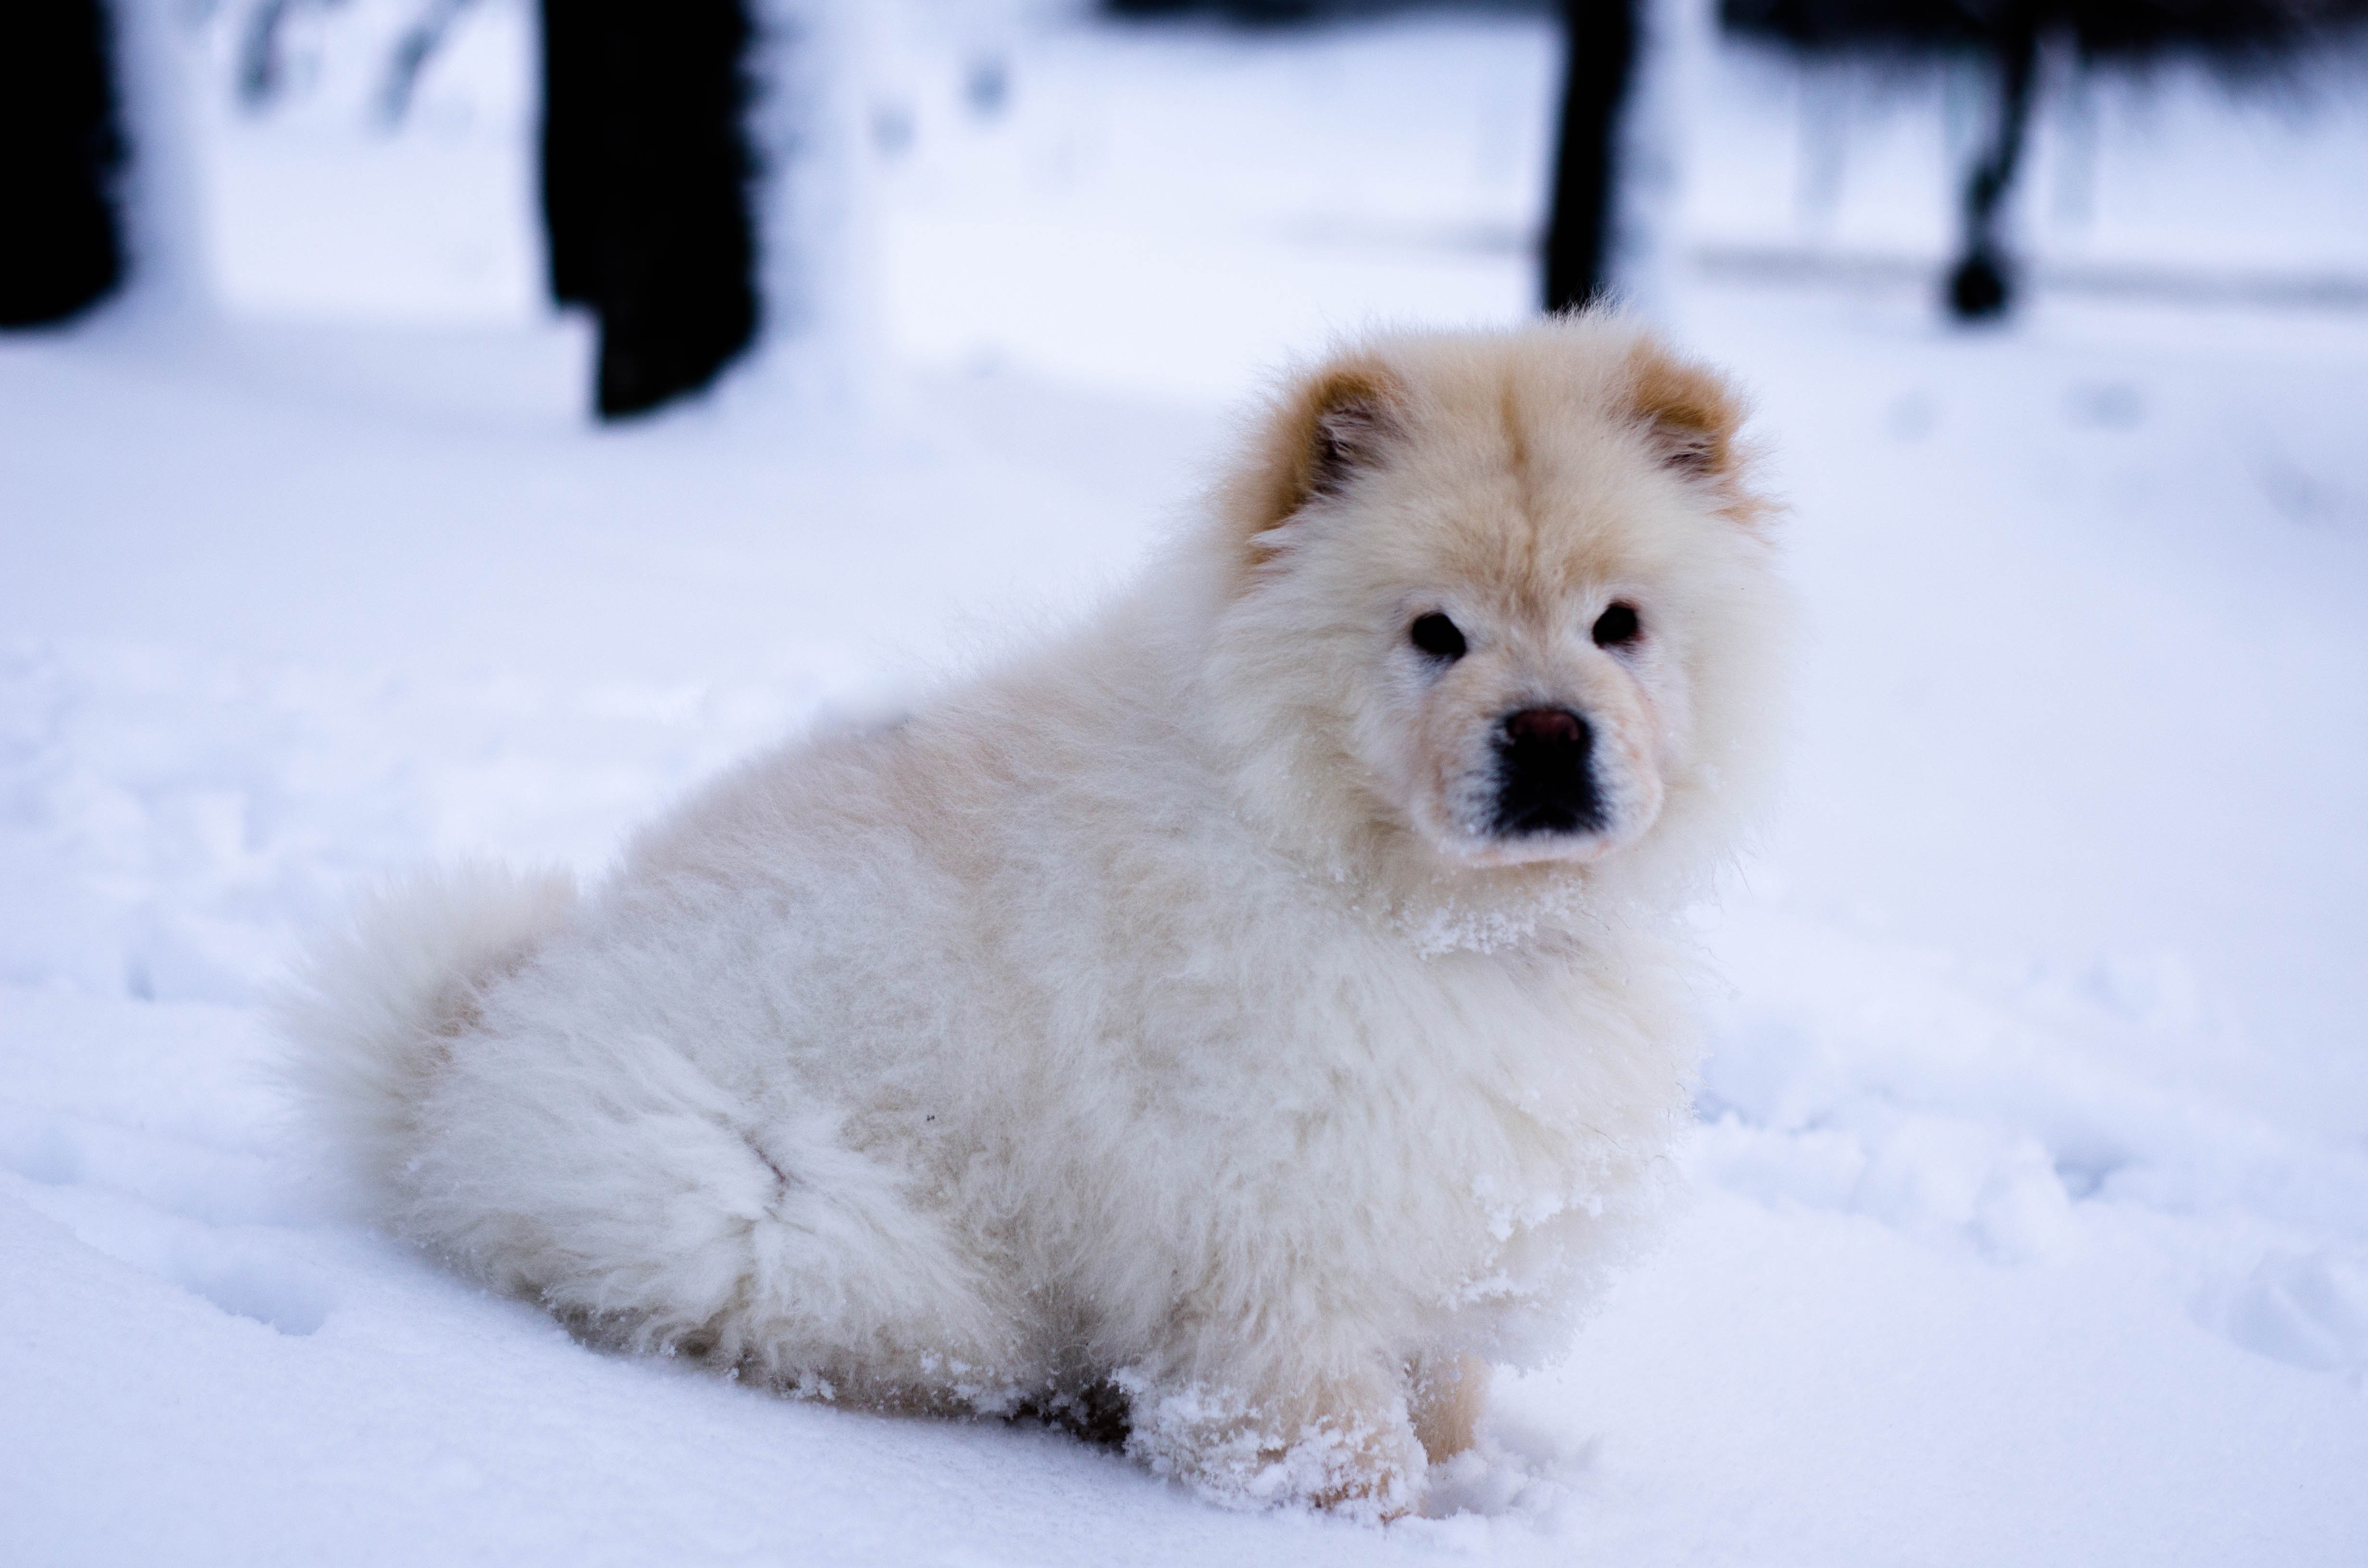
<point x="1600" y="36"/>
<point x="1983" y="283"/>
<point x="62" y="246"/>
<point x="647" y="188"/>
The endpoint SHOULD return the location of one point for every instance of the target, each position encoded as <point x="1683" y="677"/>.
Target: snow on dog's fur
<point x="1245" y="1017"/>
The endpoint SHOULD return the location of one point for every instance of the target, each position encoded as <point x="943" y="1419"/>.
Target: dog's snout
<point x="1546" y="726"/>
<point x="1546" y="773"/>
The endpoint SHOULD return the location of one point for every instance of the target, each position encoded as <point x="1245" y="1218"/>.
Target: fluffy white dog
<point x="1228" y="1025"/>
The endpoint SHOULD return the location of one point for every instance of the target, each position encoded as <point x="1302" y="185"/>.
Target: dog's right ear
<point x="1691" y="416"/>
<point x="1326" y="428"/>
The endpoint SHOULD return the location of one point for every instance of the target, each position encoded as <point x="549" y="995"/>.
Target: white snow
<point x="2031" y="1213"/>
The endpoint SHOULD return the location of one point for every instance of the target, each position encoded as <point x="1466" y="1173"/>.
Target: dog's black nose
<point x="1546" y="773"/>
<point x="1547" y="726"/>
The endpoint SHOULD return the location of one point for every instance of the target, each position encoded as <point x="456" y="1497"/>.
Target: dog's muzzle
<point x="1545" y="775"/>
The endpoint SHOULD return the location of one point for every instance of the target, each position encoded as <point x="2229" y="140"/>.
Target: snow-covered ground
<point x="2031" y="1213"/>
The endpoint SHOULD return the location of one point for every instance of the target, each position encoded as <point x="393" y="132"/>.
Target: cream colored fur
<point x="1156" y="1018"/>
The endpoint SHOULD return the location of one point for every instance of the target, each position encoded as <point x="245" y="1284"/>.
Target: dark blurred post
<point x="59" y="149"/>
<point x="1601" y="37"/>
<point x="1983" y="283"/>
<point x="647" y="188"/>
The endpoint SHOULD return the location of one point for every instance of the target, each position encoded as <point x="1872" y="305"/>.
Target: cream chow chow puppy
<point x="1233" y="1025"/>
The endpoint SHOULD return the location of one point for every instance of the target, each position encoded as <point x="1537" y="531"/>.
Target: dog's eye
<point x="1617" y="627"/>
<point x="1437" y="635"/>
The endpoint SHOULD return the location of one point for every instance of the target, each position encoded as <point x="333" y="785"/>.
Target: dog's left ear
<point x="1690" y="415"/>
<point x="1319" y="435"/>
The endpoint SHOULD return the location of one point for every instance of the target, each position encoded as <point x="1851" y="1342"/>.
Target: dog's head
<point x="1505" y="595"/>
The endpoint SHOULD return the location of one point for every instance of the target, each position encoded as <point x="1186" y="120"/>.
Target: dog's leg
<point x="616" y="1181"/>
<point x="1342" y="1444"/>
<point x="1446" y="1395"/>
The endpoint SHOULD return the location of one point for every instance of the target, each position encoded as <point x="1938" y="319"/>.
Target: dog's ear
<point x="1356" y="418"/>
<point x="1313" y="441"/>
<point x="1690" y="415"/>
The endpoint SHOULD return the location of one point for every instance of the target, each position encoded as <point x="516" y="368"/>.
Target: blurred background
<point x="1025" y="177"/>
<point x="458" y="428"/>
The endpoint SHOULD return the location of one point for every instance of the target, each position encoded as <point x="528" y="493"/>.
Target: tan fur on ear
<point x="1693" y="416"/>
<point x="1315" y="435"/>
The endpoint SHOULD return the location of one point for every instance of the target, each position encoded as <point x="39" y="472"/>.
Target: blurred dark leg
<point x="1601" y="40"/>
<point x="60" y="239"/>
<point x="571" y="145"/>
<point x="646" y="198"/>
<point x="1982" y="284"/>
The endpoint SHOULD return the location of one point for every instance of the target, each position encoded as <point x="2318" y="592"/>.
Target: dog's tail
<point x="375" y="1004"/>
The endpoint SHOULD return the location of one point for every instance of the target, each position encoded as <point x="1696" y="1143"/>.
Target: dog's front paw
<point x="1348" y="1455"/>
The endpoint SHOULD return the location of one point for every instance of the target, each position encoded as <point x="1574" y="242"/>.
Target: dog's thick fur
<point x="1173" y="1023"/>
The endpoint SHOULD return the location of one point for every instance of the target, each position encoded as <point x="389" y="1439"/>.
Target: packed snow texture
<point x="2030" y="1183"/>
